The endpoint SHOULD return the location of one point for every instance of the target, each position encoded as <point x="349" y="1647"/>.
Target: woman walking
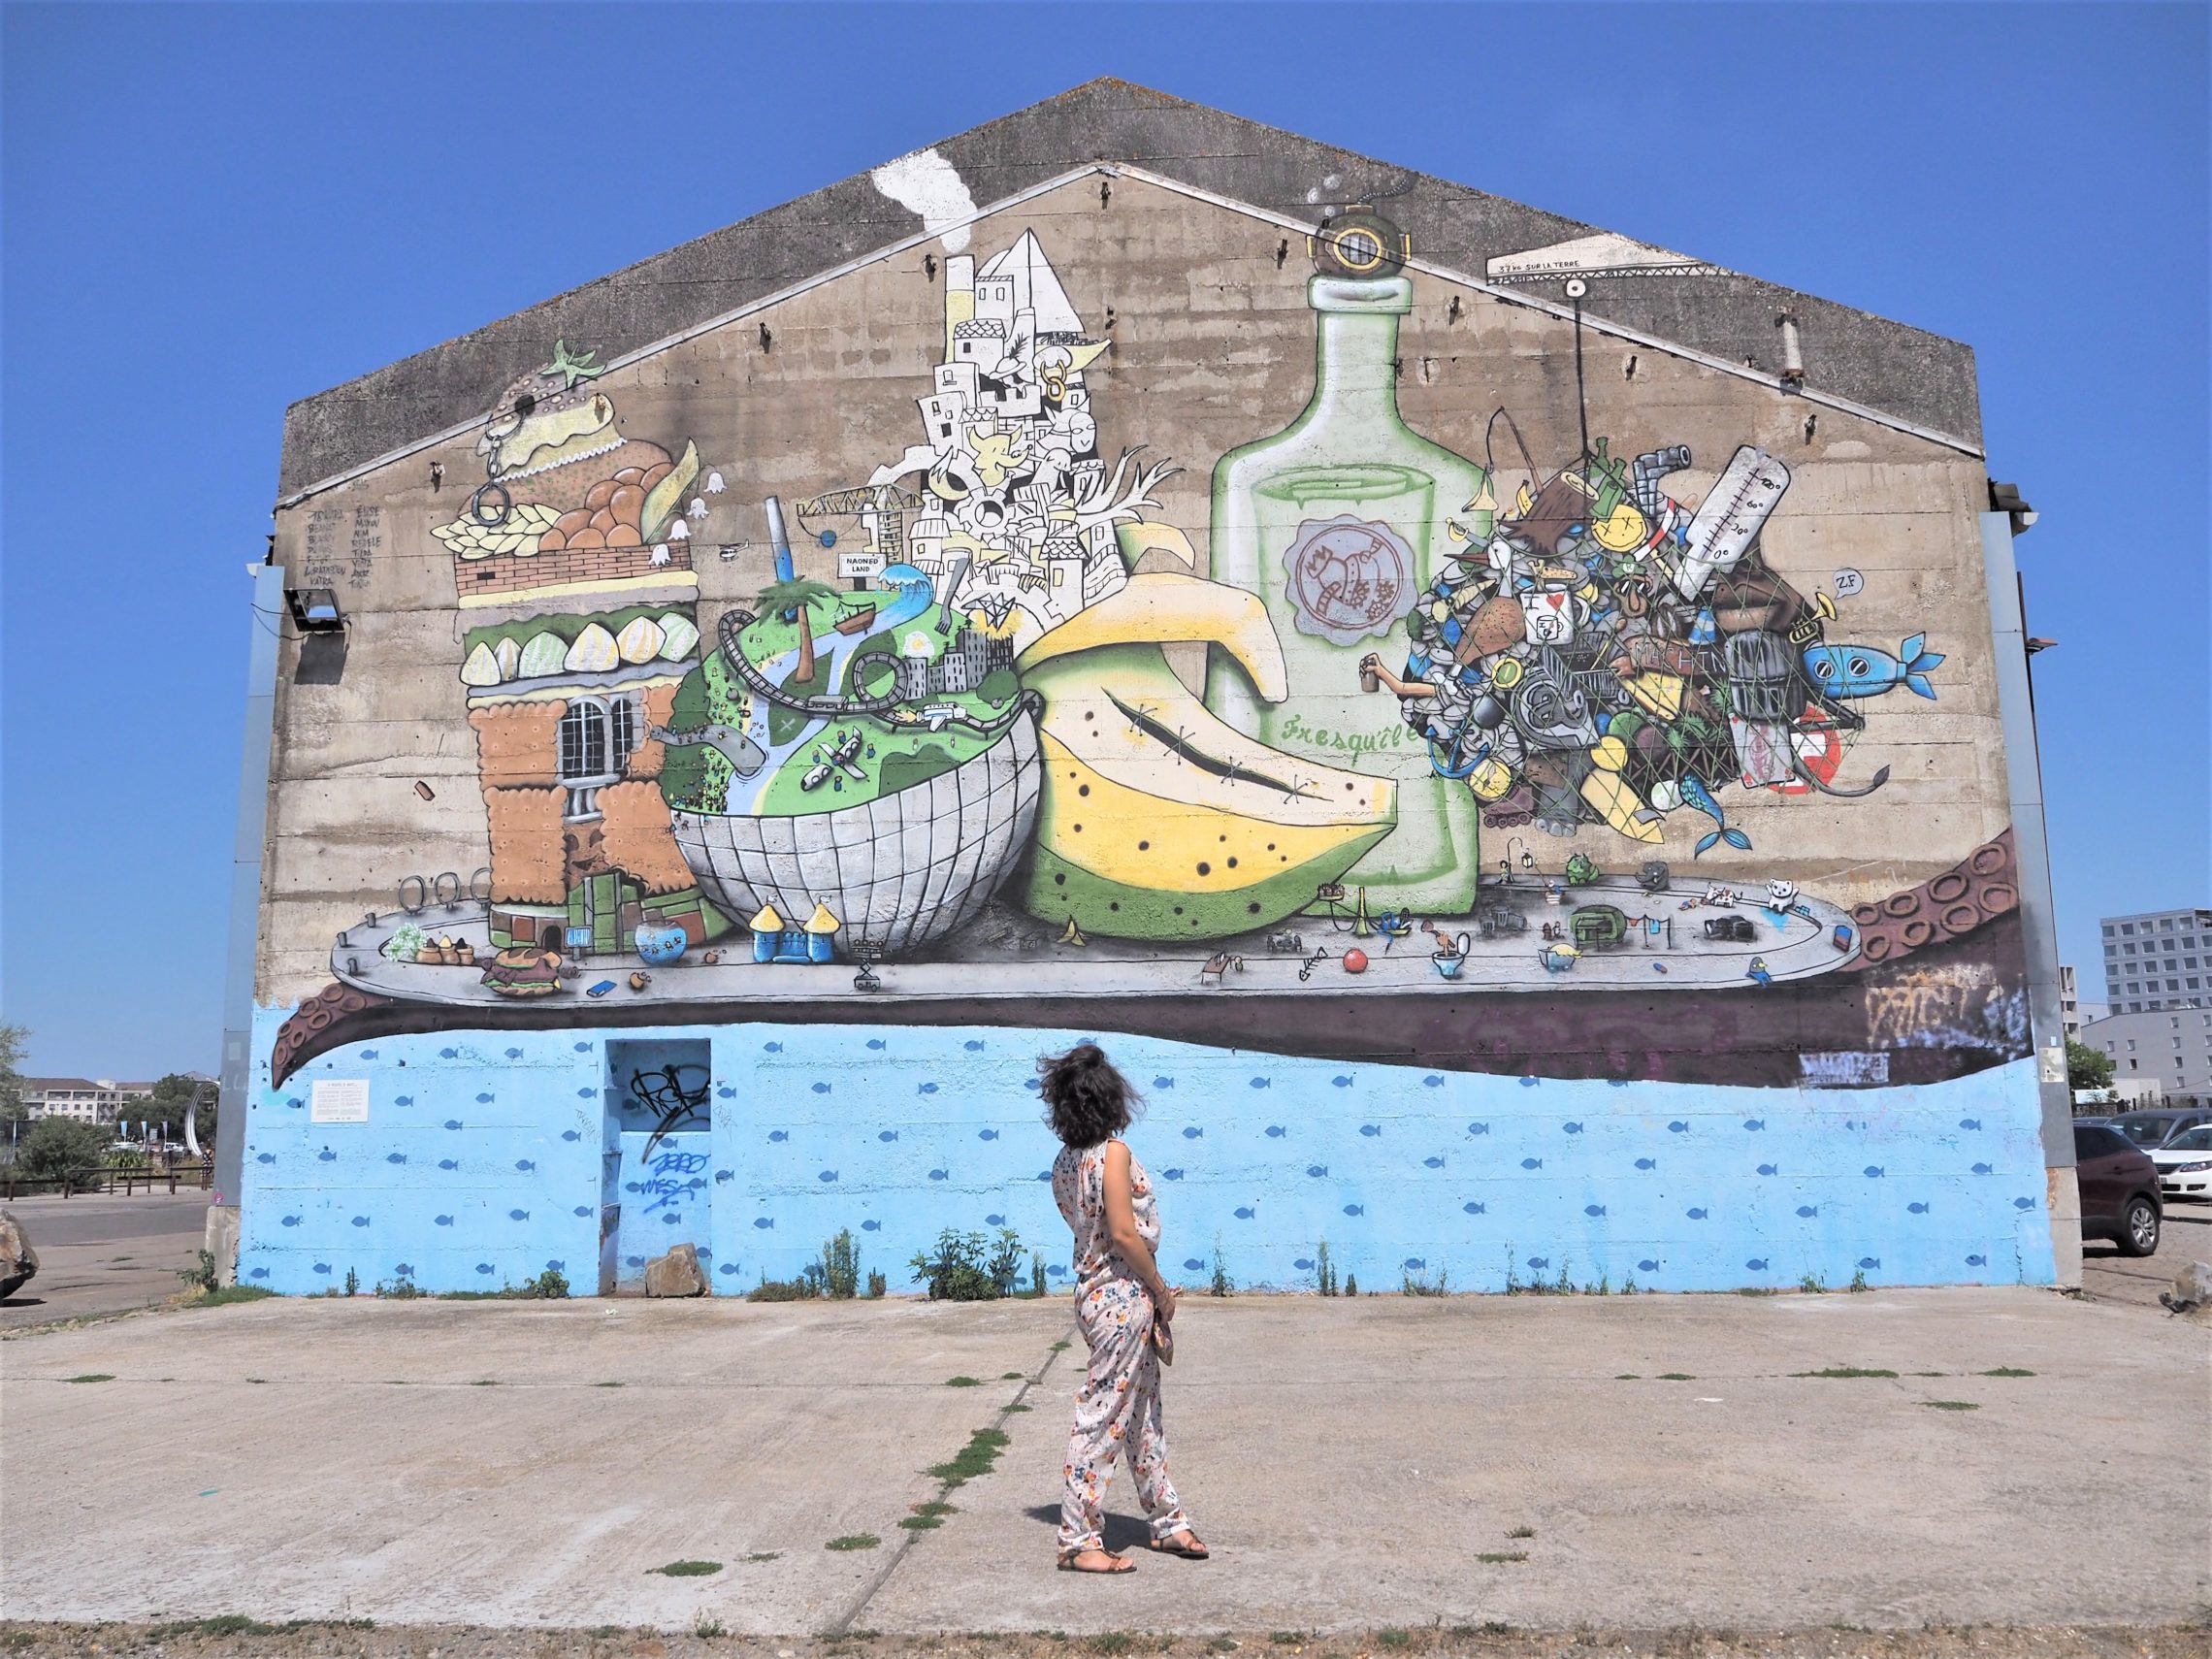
<point x="1123" y="1308"/>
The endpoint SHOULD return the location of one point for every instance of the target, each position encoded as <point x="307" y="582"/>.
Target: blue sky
<point x="211" y="211"/>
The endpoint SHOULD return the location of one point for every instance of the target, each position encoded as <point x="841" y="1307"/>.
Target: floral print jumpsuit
<point x="1118" y="1407"/>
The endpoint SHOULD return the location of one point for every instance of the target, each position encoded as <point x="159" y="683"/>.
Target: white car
<point x="2185" y="1165"/>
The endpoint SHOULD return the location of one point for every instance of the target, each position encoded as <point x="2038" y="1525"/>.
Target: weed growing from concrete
<point x="1489" y="1627"/>
<point x="1513" y="1285"/>
<point x="963" y="1381"/>
<point x="97" y="1376"/>
<point x="1628" y="1285"/>
<point x="1325" y="1270"/>
<point x="603" y="1632"/>
<point x="934" y="1508"/>
<point x="1628" y="1376"/>
<point x="1010" y="1377"/>
<point x="226" y="1295"/>
<point x="1859" y="1281"/>
<point x="1110" y="1641"/>
<point x="1287" y="1638"/>
<point x="203" y="1277"/>
<point x="1392" y="1637"/>
<point x="1038" y="1284"/>
<point x="1846" y="1370"/>
<point x="2006" y="1371"/>
<point x="485" y="1382"/>
<point x="854" y="1540"/>
<point x="1019" y="1406"/>
<point x="220" y="1624"/>
<point x="1409" y="1285"/>
<point x="1522" y="1531"/>
<point x="976" y="1458"/>
<point x="1351" y="1284"/>
<point x="1812" y="1285"/>
<point x="1219" y="1644"/>
<point x="687" y="1568"/>
<point x="1678" y="1377"/>
<point x="607" y="1385"/>
<point x="352" y="1283"/>
<point x="707" y="1629"/>
<point x="1951" y="1405"/>
<point x="1062" y="1347"/>
<point x="766" y="1555"/>
<point x="921" y="1523"/>
<point x="877" y="1285"/>
<point x="1495" y="1557"/>
<point x="1221" y="1285"/>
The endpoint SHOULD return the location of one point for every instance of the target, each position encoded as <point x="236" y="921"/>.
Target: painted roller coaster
<point x="735" y="620"/>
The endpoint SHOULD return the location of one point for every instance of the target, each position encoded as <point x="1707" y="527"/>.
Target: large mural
<point x="1318" y="772"/>
<point x="1450" y="703"/>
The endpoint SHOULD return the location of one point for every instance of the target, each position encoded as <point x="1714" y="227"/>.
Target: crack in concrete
<point x="843" y="1623"/>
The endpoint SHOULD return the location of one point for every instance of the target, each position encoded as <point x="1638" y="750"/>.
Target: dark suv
<point x="2119" y="1189"/>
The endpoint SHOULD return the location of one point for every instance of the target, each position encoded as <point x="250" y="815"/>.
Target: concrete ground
<point x="1628" y="1463"/>
<point x="106" y="1253"/>
<point x="2186" y="1237"/>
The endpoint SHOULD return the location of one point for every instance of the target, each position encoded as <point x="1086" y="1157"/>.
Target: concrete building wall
<point x="1384" y="957"/>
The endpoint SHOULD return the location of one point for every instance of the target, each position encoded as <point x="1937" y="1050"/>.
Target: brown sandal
<point x="1067" y="1563"/>
<point x="1193" y="1551"/>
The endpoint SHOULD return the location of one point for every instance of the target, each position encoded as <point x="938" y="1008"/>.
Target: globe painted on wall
<point x="891" y="771"/>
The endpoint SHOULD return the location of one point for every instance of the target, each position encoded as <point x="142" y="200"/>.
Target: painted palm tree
<point x="790" y="597"/>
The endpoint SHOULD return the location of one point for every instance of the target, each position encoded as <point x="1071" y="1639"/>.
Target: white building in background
<point x="2073" y="1011"/>
<point x="86" y="1099"/>
<point x="2164" y="1055"/>
<point x="2160" y="960"/>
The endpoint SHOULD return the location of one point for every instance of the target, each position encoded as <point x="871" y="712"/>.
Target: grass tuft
<point x="92" y="1376"/>
<point x="854" y="1540"/>
<point x="1392" y="1637"/>
<point x="1522" y="1531"/>
<point x="921" y="1523"/>
<point x="1951" y="1405"/>
<point x="963" y="1381"/>
<point x="226" y="1295"/>
<point x="766" y="1555"/>
<point x="2007" y="1371"/>
<point x="1628" y="1376"/>
<point x="1846" y="1370"/>
<point x="1676" y="1376"/>
<point x="687" y="1568"/>
<point x="1495" y="1556"/>
<point x="220" y="1624"/>
<point x="1111" y="1641"/>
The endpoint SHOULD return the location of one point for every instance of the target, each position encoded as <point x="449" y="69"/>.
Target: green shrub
<point x="801" y="1289"/>
<point x="354" y="1282"/>
<point x="61" y="1149"/>
<point x="1221" y="1285"/>
<point x="203" y="1277"/>
<point x="1038" y="1285"/>
<point x="957" y="1271"/>
<point x="1325" y="1270"/>
<point x="840" y="1267"/>
<point x="877" y="1285"/>
<point x="552" y="1285"/>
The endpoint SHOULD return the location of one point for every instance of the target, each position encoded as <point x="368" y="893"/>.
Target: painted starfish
<point x="572" y="368"/>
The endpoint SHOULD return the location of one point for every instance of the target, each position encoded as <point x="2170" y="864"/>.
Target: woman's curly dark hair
<point x="1087" y="1101"/>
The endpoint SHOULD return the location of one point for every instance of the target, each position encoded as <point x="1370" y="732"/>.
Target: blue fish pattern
<point x="1475" y="1209"/>
<point x="1593" y="1210"/>
<point x="1355" y="1209"/>
<point x="1164" y="1175"/>
<point x="1696" y="1214"/>
<point x="1532" y="1163"/>
<point x="764" y="1222"/>
<point x="1340" y="1081"/>
<point x="1163" y="1082"/>
<point x="1918" y="1209"/>
<point x="1275" y="1131"/>
<point x="886" y="1136"/>
<point x="1769" y="1169"/>
<point x="1263" y="1083"/>
<point x="1371" y="1130"/>
<point x="872" y="1227"/>
<point x="1860" y="670"/>
<point x="1316" y="1170"/>
<point x="1192" y="1133"/>
<point x="1807" y="1212"/>
<point x="1244" y="1212"/>
<point x="1432" y="1164"/>
<point x="1870" y="1261"/>
<point x="1647" y="1163"/>
<point x="1648" y="1265"/>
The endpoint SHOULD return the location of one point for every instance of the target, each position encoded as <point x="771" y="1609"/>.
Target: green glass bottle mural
<point x="1338" y="522"/>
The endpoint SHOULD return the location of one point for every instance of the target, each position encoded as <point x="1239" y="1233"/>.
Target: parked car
<point x="2119" y="1189"/>
<point x="2155" y="1126"/>
<point x="2185" y="1165"/>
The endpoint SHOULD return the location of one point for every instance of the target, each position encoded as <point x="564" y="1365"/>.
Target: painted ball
<point x="1355" y="960"/>
<point x="660" y="946"/>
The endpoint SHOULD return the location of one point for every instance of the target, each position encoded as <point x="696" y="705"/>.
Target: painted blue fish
<point x="1432" y="1164"/>
<point x="1918" y="1209"/>
<point x="561" y="1266"/>
<point x="772" y="1048"/>
<point x="264" y="1157"/>
<point x="1571" y="1129"/>
<point x="1163" y="1082"/>
<point x="887" y="1135"/>
<point x="1677" y="1127"/>
<point x="1193" y="1132"/>
<point x="1985" y="1169"/>
<point x="1593" y="1210"/>
<point x="396" y="1157"/>
<point x="1355" y="1209"/>
<point x="1870" y="1261"/>
<point x="448" y="1053"/>
<point x="293" y="1221"/>
<point x="1193" y="1264"/>
<point x="1171" y="1174"/>
<point x="1757" y="1264"/>
<point x="1316" y="1170"/>
<point x="1432" y="1081"/>
<point x="1698" y="796"/>
<point x="570" y="1135"/>
<point x="1304" y="1264"/>
<point x="370" y="1053"/>
<point x="1860" y="670"/>
<point x="1648" y="1265"/>
<point x="2024" y="1203"/>
<point x="1647" y="1163"/>
<point x="484" y="1099"/>
<point x="259" y="1272"/>
<point x="925" y="1089"/>
<point x="453" y="1123"/>
<point x="1263" y="1083"/>
<point x="396" y="1100"/>
<point x="524" y="1165"/>
<point x="727" y="1267"/>
<point x="1034" y="1084"/>
<point x="1056" y="1271"/>
<point x="1341" y="1082"/>
<point x="777" y="1137"/>
<point x="1416" y="1264"/>
<point x="1769" y="1169"/>
<point x="404" y="1269"/>
<point x="974" y="1045"/>
<point x="1478" y="1128"/>
<point x="723" y="1177"/>
<point x="1475" y="1209"/>
<point x="764" y="1222"/>
<point x="587" y="1092"/>
<point x="1371" y="1130"/>
<point x="1531" y="1082"/>
<point x="1977" y="1261"/>
<point x="1969" y="1122"/>
<point x="581" y="1210"/>
<point x="995" y="1220"/>
<point x="726" y="1093"/>
<point x="1808" y="1211"/>
<point x="1244" y="1212"/>
<point x="821" y="1088"/>
<point x="987" y="1134"/>
<point x="872" y="1227"/>
<point x="512" y="1054"/>
<point x="485" y="1267"/>
<point x="1754" y="1124"/>
<point x="518" y="1215"/>
<point x="1532" y="1163"/>
<point x="361" y="1220"/>
<point x="875" y="1042"/>
<point x="940" y="1175"/>
<point x="322" y="1267"/>
<point x="326" y="1155"/>
<point x="1696" y="1214"/>
<point x="1275" y="1131"/>
<point x="827" y="1175"/>
<point x="1540" y="1261"/>
<point x="442" y="1221"/>
<point x="581" y="1048"/>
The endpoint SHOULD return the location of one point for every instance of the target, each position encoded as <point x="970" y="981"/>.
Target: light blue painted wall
<point x="896" y="1133"/>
